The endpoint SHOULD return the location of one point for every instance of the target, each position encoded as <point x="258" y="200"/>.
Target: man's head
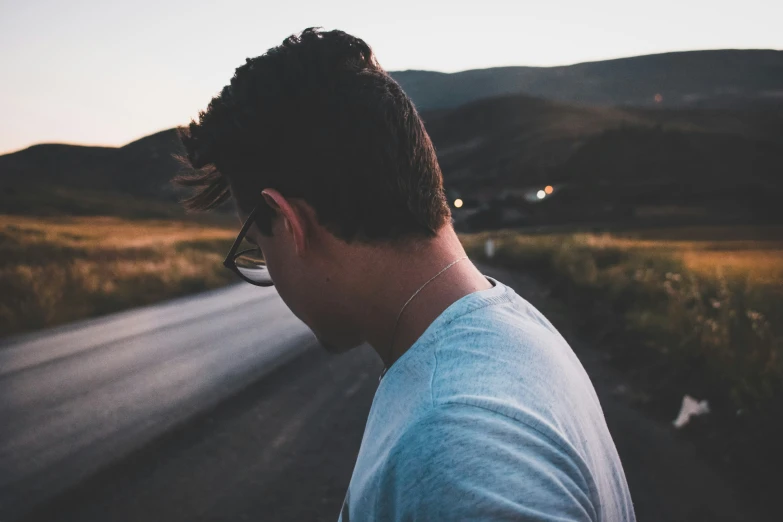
<point x="341" y="157"/>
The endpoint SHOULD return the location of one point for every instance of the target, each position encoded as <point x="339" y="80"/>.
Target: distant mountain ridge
<point x="138" y="168"/>
<point x="608" y="163"/>
<point x="516" y="141"/>
<point x="715" y="78"/>
<point x="55" y="178"/>
<point x="492" y="145"/>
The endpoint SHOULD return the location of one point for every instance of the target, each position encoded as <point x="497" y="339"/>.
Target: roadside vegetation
<point x="56" y="270"/>
<point x="695" y="311"/>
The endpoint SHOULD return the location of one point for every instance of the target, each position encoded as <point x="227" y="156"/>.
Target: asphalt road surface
<point x="73" y="399"/>
<point x="222" y="407"/>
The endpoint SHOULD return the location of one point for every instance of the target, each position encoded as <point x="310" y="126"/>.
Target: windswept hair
<point x="318" y="118"/>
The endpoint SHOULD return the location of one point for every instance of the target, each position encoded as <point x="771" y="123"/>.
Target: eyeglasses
<point x="249" y="264"/>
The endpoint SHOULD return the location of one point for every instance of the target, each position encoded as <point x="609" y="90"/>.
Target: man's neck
<point x="394" y="276"/>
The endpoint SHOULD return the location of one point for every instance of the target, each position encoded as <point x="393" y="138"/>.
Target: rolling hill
<point x="517" y="141"/>
<point x="132" y="180"/>
<point x="610" y="162"/>
<point x="499" y="147"/>
<point x="716" y="79"/>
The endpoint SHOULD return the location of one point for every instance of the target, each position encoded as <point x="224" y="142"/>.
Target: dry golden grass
<point x="758" y="266"/>
<point x="108" y="231"/>
<point x="704" y="298"/>
<point x="755" y="253"/>
<point x="55" y="270"/>
<point x="758" y="260"/>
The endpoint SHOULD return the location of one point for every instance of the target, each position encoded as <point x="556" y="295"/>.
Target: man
<point x="483" y="411"/>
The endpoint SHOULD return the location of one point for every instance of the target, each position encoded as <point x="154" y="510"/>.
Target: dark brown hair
<point x="318" y="118"/>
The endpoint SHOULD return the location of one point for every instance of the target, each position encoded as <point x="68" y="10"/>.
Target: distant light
<point x="541" y="194"/>
<point x="549" y="189"/>
<point x="458" y="203"/>
<point x="658" y="98"/>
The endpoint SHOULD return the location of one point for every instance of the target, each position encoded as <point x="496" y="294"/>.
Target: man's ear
<point x="295" y="223"/>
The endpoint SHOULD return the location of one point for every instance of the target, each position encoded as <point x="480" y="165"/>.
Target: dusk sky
<point x="106" y="73"/>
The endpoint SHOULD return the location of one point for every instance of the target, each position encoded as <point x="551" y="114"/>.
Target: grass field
<point x="56" y="270"/>
<point x="701" y="306"/>
<point x="694" y="311"/>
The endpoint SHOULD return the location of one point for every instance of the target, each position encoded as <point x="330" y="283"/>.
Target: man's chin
<point x="335" y="348"/>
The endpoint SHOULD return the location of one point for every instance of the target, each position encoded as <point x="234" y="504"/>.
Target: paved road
<point x="74" y="398"/>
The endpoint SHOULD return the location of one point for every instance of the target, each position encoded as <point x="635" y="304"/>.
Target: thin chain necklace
<point x="397" y="322"/>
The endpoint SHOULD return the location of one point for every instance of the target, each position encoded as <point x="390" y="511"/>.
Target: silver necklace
<point x="397" y="322"/>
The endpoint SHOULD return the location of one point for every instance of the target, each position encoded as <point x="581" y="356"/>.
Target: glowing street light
<point x="458" y="203"/>
<point x="549" y="189"/>
<point x="541" y="194"/>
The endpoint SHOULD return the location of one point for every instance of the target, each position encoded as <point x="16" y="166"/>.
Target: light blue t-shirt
<point x="488" y="416"/>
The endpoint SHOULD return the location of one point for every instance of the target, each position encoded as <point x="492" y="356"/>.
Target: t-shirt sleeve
<point x="462" y="462"/>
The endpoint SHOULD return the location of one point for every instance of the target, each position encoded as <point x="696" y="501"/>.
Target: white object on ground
<point x="690" y="408"/>
<point x="489" y="248"/>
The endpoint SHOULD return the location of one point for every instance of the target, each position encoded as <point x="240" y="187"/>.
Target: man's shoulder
<point x="509" y="358"/>
<point x="449" y="429"/>
<point x="507" y="323"/>
<point x="461" y="460"/>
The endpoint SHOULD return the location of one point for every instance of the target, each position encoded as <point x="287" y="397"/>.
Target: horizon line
<point x="118" y="146"/>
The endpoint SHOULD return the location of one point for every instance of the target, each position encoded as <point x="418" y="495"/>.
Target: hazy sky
<point x="107" y="72"/>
